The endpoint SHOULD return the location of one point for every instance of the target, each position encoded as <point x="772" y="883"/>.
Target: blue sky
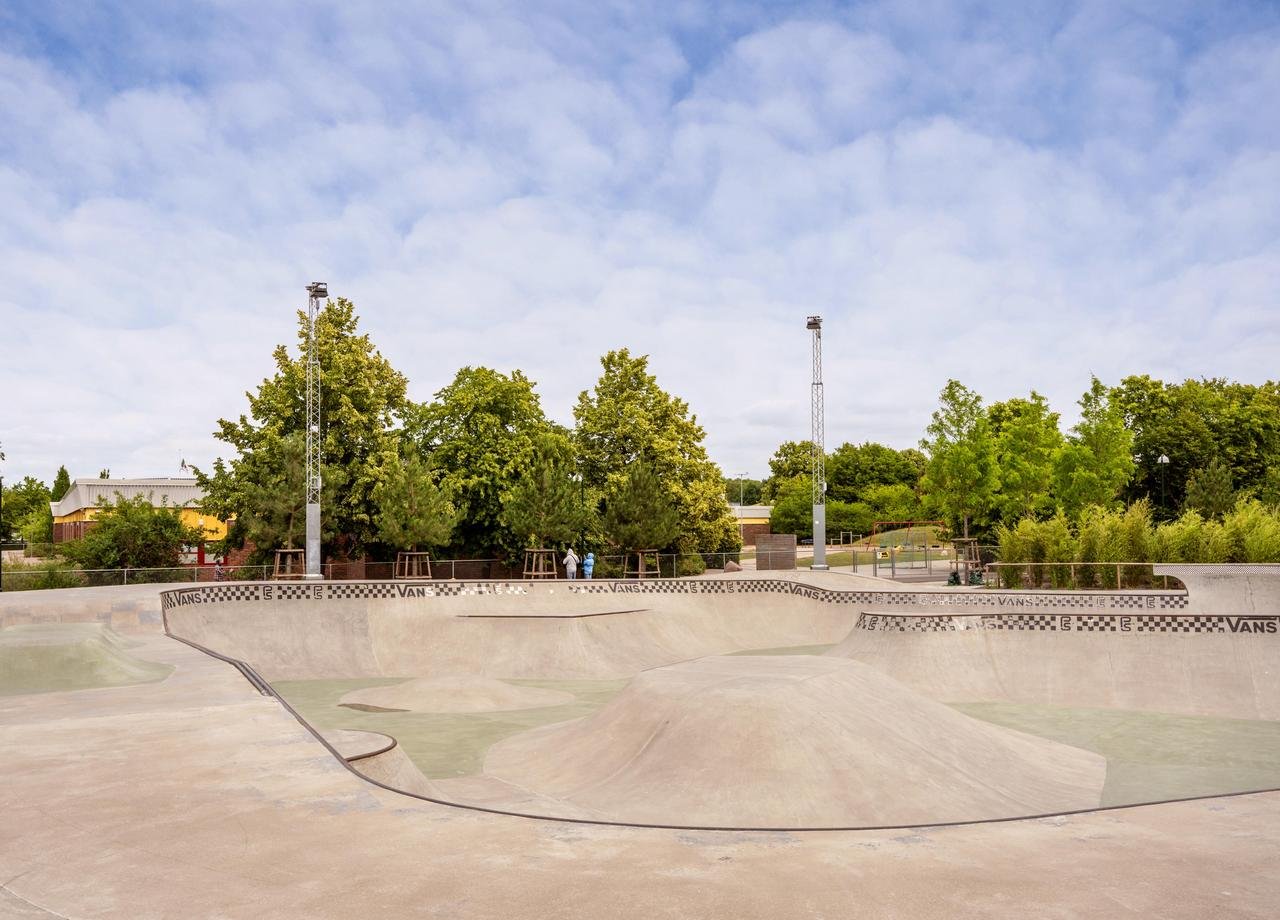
<point x="1015" y="195"/>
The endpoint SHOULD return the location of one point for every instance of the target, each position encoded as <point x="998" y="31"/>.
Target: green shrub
<point x="41" y="576"/>
<point x="1252" y="532"/>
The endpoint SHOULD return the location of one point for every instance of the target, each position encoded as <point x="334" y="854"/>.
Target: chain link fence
<point x="51" y="573"/>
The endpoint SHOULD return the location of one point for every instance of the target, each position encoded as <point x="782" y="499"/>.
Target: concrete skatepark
<point x="822" y="745"/>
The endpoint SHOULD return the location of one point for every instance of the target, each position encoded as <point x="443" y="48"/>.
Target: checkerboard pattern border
<point x="1042" y="622"/>
<point x="1008" y="611"/>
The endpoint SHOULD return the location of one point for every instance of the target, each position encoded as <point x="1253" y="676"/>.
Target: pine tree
<point x="546" y="505"/>
<point x="61" y="484"/>
<point x="639" y="515"/>
<point x="413" y="510"/>
<point x="1209" y="490"/>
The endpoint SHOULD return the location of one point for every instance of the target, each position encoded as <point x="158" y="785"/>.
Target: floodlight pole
<point x="817" y="454"/>
<point x="317" y="292"/>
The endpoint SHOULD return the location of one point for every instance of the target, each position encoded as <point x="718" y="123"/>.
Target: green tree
<point x="20" y="501"/>
<point x="792" y="509"/>
<point x="413" y="509"/>
<point x="36" y="526"/>
<point x="61" y="485"/>
<point x="853" y="470"/>
<point x="1210" y="491"/>
<point x="547" y="505"/>
<point x="1096" y="461"/>
<point x="791" y="459"/>
<point x="892" y="503"/>
<point x="104" y="474"/>
<point x="628" y="417"/>
<point x="361" y="399"/>
<point x="792" y="512"/>
<point x="1192" y="423"/>
<point x="1027" y="440"/>
<point x="132" y="533"/>
<point x="960" y="476"/>
<point x="273" y="493"/>
<point x="484" y="431"/>
<point x="639" y="513"/>
<point x="742" y="491"/>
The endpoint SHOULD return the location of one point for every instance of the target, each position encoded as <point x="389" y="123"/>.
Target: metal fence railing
<point x="1080" y="576"/>
<point x="57" y="574"/>
<point x="890" y="563"/>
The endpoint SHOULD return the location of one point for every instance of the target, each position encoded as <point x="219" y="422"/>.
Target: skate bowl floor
<point x="770" y="704"/>
<point x="204" y="793"/>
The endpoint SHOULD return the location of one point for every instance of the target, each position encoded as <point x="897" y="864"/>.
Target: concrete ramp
<point x="790" y="742"/>
<point x="42" y="658"/>
<point x="1188" y="665"/>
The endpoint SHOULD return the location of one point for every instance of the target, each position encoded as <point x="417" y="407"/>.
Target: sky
<point x="1017" y="195"/>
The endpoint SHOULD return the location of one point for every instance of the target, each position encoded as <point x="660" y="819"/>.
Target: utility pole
<point x="317" y="292"/>
<point x="818" y="455"/>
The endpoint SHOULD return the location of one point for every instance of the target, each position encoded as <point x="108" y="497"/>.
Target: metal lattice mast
<point x="317" y="292"/>
<point x="818" y="450"/>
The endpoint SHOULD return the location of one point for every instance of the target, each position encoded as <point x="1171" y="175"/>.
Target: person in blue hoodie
<point x="588" y="564"/>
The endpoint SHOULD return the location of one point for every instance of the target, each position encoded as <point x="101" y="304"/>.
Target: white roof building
<point x="95" y="492"/>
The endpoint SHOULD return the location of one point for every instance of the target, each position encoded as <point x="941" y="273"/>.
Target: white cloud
<point x="1016" y="202"/>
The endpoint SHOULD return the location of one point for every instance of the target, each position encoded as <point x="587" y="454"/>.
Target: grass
<point x="1152" y="756"/>
<point x="442" y="745"/>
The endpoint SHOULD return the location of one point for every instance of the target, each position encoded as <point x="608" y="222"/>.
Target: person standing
<point x="570" y="564"/>
<point x="588" y="564"/>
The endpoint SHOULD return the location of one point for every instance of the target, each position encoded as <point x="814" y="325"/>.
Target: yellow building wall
<point x="213" y="528"/>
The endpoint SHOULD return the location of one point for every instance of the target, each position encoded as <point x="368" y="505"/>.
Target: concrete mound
<point x="455" y="694"/>
<point x="46" y="658"/>
<point x="392" y="767"/>
<point x="791" y="741"/>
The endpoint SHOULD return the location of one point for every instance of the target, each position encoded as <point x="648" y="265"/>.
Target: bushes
<point x="38" y="576"/>
<point x="1248" y="533"/>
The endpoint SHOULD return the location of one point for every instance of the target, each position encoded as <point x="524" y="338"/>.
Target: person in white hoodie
<point x="570" y="564"/>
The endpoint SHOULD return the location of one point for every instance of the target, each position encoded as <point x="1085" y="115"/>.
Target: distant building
<point x="753" y="520"/>
<point x="76" y="512"/>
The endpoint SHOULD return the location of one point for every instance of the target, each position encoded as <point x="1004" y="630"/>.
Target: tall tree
<point x="639" y="513"/>
<point x="548" y="505"/>
<point x="1096" y="461"/>
<point x="61" y="484"/>
<point x="413" y="509"/>
<point x="791" y="459"/>
<point x="362" y="397"/>
<point x="742" y="491"/>
<point x="272" y="498"/>
<point x="1192" y="423"/>
<point x="628" y="417"/>
<point x="852" y="469"/>
<point x="484" y="431"/>
<point x="1027" y="440"/>
<point x="960" y="477"/>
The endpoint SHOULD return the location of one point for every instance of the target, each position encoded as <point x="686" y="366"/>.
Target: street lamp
<point x="741" y="486"/>
<point x="818" y="455"/>
<point x="582" y="510"/>
<point x="1162" y="461"/>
